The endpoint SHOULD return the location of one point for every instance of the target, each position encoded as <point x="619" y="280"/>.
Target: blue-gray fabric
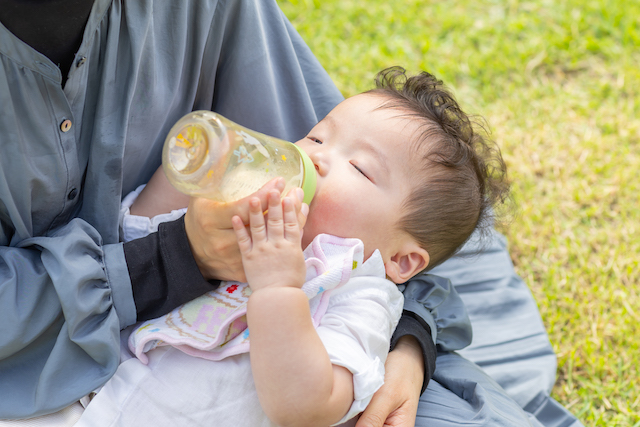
<point x="509" y="343"/>
<point x="435" y="300"/>
<point x="64" y="288"/>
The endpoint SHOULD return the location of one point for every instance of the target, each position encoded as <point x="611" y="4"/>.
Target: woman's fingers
<point x="212" y="235"/>
<point x="242" y="207"/>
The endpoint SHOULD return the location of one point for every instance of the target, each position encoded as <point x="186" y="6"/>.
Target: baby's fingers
<point x="257" y="226"/>
<point x="291" y="224"/>
<point x="242" y="207"/>
<point x="301" y="209"/>
<point x="242" y="235"/>
<point x="275" y="229"/>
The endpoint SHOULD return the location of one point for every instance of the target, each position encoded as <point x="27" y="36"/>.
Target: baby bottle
<point x="207" y="155"/>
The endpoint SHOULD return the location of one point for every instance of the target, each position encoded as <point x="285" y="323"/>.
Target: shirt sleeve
<point x="64" y="327"/>
<point x="356" y="330"/>
<point x="65" y="298"/>
<point x="436" y="316"/>
<point x="163" y="272"/>
<point x="412" y="325"/>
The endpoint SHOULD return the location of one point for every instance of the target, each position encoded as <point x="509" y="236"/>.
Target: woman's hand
<point x="396" y="403"/>
<point x="211" y="237"/>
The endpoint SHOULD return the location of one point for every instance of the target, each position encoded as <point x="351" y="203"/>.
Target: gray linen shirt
<point x="68" y="155"/>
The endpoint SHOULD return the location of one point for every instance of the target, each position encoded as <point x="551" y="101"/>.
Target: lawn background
<point x="559" y="85"/>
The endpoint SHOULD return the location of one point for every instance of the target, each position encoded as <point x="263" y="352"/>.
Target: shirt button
<point x="81" y="61"/>
<point x="65" y="126"/>
<point x="72" y="194"/>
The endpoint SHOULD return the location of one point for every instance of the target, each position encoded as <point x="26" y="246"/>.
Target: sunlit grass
<point x="559" y="84"/>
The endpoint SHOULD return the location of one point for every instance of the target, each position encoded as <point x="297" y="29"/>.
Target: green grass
<point x="559" y="84"/>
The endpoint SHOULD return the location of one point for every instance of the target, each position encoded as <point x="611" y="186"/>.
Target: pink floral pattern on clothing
<point x="214" y="325"/>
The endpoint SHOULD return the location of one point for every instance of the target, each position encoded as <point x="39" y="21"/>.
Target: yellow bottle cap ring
<point x="310" y="177"/>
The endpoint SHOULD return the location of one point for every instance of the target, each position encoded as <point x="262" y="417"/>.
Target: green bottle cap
<point x="309" y="178"/>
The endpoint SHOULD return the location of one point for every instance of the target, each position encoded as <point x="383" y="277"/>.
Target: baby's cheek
<point x="325" y="209"/>
<point x="331" y="214"/>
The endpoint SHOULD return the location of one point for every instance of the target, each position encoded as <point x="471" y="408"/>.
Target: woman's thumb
<point x="376" y="413"/>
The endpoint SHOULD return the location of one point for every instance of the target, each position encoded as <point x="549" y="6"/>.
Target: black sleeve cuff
<point x="163" y="272"/>
<point x="417" y="328"/>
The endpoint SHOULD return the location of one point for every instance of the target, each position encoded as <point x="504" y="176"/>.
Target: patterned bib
<point x="214" y="325"/>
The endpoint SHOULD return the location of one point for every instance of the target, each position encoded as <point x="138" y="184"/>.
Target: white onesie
<point x="355" y="311"/>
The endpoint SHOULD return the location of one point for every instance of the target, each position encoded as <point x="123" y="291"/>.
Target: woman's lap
<point x="509" y="343"/>
<point x="460" y="393"/>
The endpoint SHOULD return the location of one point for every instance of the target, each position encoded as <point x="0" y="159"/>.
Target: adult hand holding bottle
<point x="208" y="223"/>
<point x="211" y="236"/>
<point x="208" y="155"/>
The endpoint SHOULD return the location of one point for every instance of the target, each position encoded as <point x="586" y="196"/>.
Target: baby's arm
<point x="158" y="197"/>
<point x="295" y="380"/>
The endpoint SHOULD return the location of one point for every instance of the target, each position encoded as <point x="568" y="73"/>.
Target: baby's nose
<point x="320" y="162"/>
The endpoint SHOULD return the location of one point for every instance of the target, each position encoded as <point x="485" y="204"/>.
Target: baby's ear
<point x="406" y="263"/>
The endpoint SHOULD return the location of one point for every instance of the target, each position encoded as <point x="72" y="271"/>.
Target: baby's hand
<point x="271" y="252"/>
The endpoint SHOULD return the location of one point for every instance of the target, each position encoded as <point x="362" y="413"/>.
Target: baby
<point x="403" y="181"/>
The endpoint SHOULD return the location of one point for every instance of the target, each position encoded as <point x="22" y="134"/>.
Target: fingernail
<point x="300" y="194"/>
<point x="280" y="184"/>
<point x="304" y="209"/>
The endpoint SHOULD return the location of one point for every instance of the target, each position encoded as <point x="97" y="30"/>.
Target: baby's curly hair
<point x="464" y="173"/>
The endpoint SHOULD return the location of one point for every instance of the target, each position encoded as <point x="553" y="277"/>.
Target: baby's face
<point x="362" y="156"/>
